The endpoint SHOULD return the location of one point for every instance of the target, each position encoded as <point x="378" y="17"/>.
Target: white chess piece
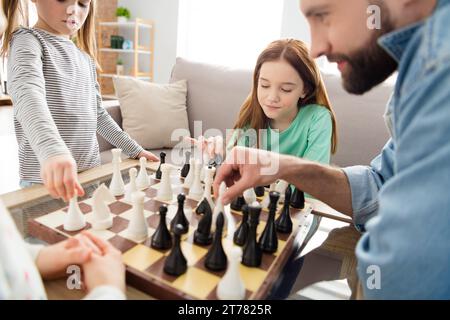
<point x="249" y="196"/>
<point x="75" y="219"/>
<point x="219" y="207"/>
<point x="142" y="180"/>
<point x="196" y="190"/>
<point x="281" y="188"/>
<point x="231" y="286"/>
<point x="165" y="192"/>
<point x="266" y="201"/>
<point x="209" y="178"/>
<point x="138" y="228"/>
<point x="190" y="177"/>
<point x="132" y="187"/>
<point x="101" y="215"/>
<point x="117" y="186"/>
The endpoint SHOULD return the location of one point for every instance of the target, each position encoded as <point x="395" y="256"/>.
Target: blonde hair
<point x="296" y="53"/>
<point x="16" y="13"/>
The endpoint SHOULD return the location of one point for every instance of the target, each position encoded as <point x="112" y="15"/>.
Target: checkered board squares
<point x="147" y="264"/>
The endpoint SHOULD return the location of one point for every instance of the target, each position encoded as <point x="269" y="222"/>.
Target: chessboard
<point x="144" y="264"/>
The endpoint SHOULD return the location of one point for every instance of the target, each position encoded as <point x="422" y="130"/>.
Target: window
<point x="227" y="32"/>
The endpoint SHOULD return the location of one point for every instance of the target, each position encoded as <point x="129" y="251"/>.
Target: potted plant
<point x="119" y="67"/>
<point x="123" y="14"/>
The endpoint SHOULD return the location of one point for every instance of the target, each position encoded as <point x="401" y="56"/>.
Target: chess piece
<point x="176" y="263"/>
<point x="75" y="219"/>
<point x="284" y="222"/>
<point x="142" y="180"/>
<point x="240" y="236"/>
<point x="215" y="258"/>
<point x="116" y="186"/>
<point x="231" y="286"/>
<point x="138" y="228"/>
<point x="186" y="166"/>
<point x="298" y="199"/>
<point x="190" y="177"/>
<point x="196" y="190"/>
<point x="268" y="241"/>
<point x="101" y="215"/>
<point x="161" y="238"/>
<point x="252" y="256"/>
<point x="237" y="203"/>
<point x="158" y="173"/>
<point x="180" y="217"/>
<point x="203" y="236"/>
<point x="132" y="187"/>
<point x="207" y="199"/>
<point x="266" y="201"/>
<point x="249" y="196"/>
<point x="281" y="187"/>
<point x="165" y="192"/>
<point x="259" y="191"/>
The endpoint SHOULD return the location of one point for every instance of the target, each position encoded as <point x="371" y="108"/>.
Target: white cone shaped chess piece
<point x="101" y="215"/>
<point x="131" y="188"/>
<point x="231" y="286"/>
<point x="209" y="179"/>
<point x="281" y="188"/>
<point x="75" y="219"/>
<point x="138" y="228"/>
<point x="165" y="192"/>
<point x="219" y="207"/>
<point x="142" y="180"/>
<point x="266" y="201"/>
<point x="190" y="177"/>
<point x="117" y="186"/>
<point x="196" y="190"/>
<point x="249" y="196"/>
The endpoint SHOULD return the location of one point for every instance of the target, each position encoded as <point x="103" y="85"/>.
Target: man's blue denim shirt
<point x="403" y="199"/>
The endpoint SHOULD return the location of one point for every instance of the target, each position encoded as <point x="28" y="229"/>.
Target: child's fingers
<point x="58" y="182"/>
<point x="49" y="184"/>
<point x="100" y="243"/>
<point x="90" y="244"/>
<point x="69" y="183"/>
<point x="80" y="255"/>
<point x="152" y="157"/>
<point x="71" y="243"/>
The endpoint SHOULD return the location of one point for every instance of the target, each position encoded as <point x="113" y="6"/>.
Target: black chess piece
<point x="298" y="199"/>
<point x="176" y="263"/>
<point x="202" y="207"/>
<point x="268" y="241"/>
<point x="180" y="217"/>
<point x="216" y="259"/>
<point x="162" y="239"/>
<point x="158" y="173"/>
<point x="237" y="203"/>
<point x="202" y="235"/>
<point x="241" y="233"/>
<point x="284" y="221"/>
<point x="252" y="255"/>
<point x="186" y="166"/>
<point x="259" y="191"/>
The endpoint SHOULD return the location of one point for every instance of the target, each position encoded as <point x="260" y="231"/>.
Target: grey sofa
<point x="215" y="95"/>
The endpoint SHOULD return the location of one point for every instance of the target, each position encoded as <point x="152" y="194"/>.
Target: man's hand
<point x="148" y="155"/>
<point x="59" y="174"/>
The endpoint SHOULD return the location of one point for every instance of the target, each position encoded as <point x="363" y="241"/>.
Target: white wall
<point x="294" y="24"/>
<point x="164" y="14"/>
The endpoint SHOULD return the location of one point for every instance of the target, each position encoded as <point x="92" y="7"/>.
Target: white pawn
<point x="75" y="219"/>
<point x="138" y="228"/>
<point x="101" y="215"/>
<point x="117" y="186"/>
<point x="190" y="177"/>
<point x="132" y="187"/>
<point x="281" y="188"/>
<point x="266" y="201"/>
<point x="231" y="286"/>
<point x="196" y="190"/>
<point x="165" y="192"/>
<point x="142" y="181"/>
<point x="249" y="196"/>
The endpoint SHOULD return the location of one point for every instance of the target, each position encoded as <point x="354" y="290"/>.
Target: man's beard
<point x="367" y="67"/>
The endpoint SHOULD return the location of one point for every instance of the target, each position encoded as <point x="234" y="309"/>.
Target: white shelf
<point x="125" y="51"/>
<point x="111" y="75"/>
<point x="126" y="24"/>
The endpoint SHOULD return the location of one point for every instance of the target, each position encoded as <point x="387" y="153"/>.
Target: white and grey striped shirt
<point x="57" y="103"/>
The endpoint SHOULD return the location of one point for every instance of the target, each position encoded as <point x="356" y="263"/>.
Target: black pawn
<point x="162" y="239"/>
<point x="176" y="263"/>
<point x="158" y="173"/>
<point x="237" y="203"/>
<point x="241" y="234"/>
<point x="298" y="199"/>
<point x="269" y="239"/>
<point x="284" y="222"/>
<point x="180" y="217"/>
<point x="216" y="259"/>
<point x="259" y="191"/>
<point x="186" y="166"/>
<point x="252" y="255"/>
<point x="202" y="235"/>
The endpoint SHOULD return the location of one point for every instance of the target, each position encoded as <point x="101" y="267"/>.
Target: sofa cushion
<point x="152" y="112"/>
